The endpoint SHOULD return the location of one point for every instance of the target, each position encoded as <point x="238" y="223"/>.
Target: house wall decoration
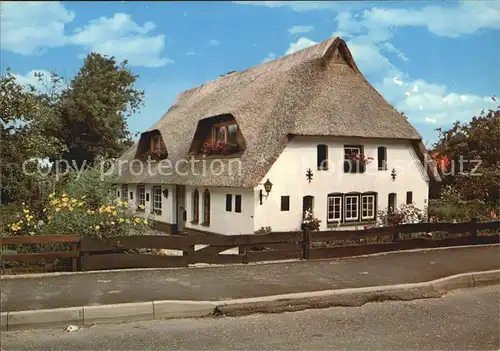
<point x="309" y="175"/>
<point x="230" y="124"/>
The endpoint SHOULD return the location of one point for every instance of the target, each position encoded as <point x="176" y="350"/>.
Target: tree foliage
<point x="92" y="110"/>
<point x="81" y="120"/>
<point x="24" y="119"/>
<point x="477" y="145"/>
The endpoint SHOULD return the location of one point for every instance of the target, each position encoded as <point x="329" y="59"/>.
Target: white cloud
<point x="433" y="103"/>
<point x="30" y="27"/>
<point x="121" y="37"/>
<point x="30" y="79"/>
<point x="464" y="18"/>
<point x="393" y="49"/>
<point x="213" y="42"/>
<point x="271" y="56"/>
<point x="300" y="44"/>
<point x="303" y="6"/>
<point x="300" y="29"/>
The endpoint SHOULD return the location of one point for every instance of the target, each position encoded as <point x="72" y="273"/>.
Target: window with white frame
<point x="351" y="207"/>
<point x="157" y="199"/>
<point x="367" y="207"/>
<point x="141" y="194"/>
<point x="124" y="192"/>
<point x="334" y="211"/>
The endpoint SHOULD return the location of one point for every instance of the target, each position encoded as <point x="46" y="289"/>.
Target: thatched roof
<point x="315" y="91"/>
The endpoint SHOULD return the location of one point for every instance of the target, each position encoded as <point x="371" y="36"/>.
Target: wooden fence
<point x="13" y="255"/>
<point x="144" y="251"/>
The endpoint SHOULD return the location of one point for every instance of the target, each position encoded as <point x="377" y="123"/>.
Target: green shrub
<point x="65" y="215"/>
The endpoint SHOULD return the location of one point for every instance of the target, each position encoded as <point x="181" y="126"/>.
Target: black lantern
<point x="267" y="187"/>
<point x="165" y="193"/>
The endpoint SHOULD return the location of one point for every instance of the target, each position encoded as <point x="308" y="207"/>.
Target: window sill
<point x="193" y="222"/>
<point x="205" y="224"/>
<point x="322" y="169"/>
<point x="214" y="156"/>
<point x="156" y="212"/>
<point x="350" y="224"/>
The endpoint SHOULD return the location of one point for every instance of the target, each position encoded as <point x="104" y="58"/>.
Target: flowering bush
<point x="64" y="215"/>
<point x="309" y="222"/>
<point x="403" y="215"/>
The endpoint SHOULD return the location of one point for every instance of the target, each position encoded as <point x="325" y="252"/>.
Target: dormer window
<point x="225" y="132"/>
<point x="218" y="135"/>
<point x="155" y="143"/>
<point x="151" y="146"/>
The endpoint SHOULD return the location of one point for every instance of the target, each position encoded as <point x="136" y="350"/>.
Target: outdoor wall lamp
<point x="165" y="193"/>
<point x="267" y="187"/>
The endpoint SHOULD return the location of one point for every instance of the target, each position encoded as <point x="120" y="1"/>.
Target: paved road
<point x="463" y="320"/>
<point x="241" y="281"/>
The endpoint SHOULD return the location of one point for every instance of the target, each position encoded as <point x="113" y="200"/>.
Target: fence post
<point x="305" y="243"/>
<point x="74" y="260"/>
<point x="395" y="236"/>
<point x="473" y="231"/>
<point x="189" y="252"/>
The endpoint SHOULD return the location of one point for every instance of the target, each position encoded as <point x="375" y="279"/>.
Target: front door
<point x="180" y="194"/>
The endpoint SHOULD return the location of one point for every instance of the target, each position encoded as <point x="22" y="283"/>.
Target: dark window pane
<point x="237" y="203"/>
<point x="229" y="202"/>
<point x="382" y="158"/>
<point x="285" y="203"/>
<point x="409" y="197"/>
<point x="322" y="157"/>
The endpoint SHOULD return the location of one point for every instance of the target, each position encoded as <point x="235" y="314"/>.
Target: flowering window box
<point x="153" y="155"/>
<point x="219" y="148"/>
<point x="356" y="163"/>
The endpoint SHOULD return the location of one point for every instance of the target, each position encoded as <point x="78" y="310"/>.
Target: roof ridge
<point x="307" y="54"/>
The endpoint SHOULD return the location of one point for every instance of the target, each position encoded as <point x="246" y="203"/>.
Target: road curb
<point x="210" y="265"/>
<point x="353" y="297"/>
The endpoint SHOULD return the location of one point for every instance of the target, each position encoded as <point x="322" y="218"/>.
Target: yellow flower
<point x="112" y="223"/>
<point x="145" y="221"/>
<point x="97" y="227"/>
<point x="26" y="211"/>
<point x="64" y="204"/>
<point x="58" y="209"/>
<point x="141" y="207"/>
<point x="115" y="213"/>
<point x="73" y="201"/>
<point x="80" y="204"/>
<point x="120" y="220"/>
<point x="52" y="195"/>
<point x="137" y="220"/>
<point x="127" y="221"/>
<point x="64" y="195"/>
<point x="70" y="208"/>
<point x="65" y="199"/>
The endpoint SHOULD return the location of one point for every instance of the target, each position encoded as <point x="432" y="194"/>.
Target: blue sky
<point x="436" y="61"/>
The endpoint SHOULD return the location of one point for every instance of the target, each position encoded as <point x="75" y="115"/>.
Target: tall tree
<point x="477" y="144"/>
<point x="24" y="119"/>
<point x="92" y="111"/>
